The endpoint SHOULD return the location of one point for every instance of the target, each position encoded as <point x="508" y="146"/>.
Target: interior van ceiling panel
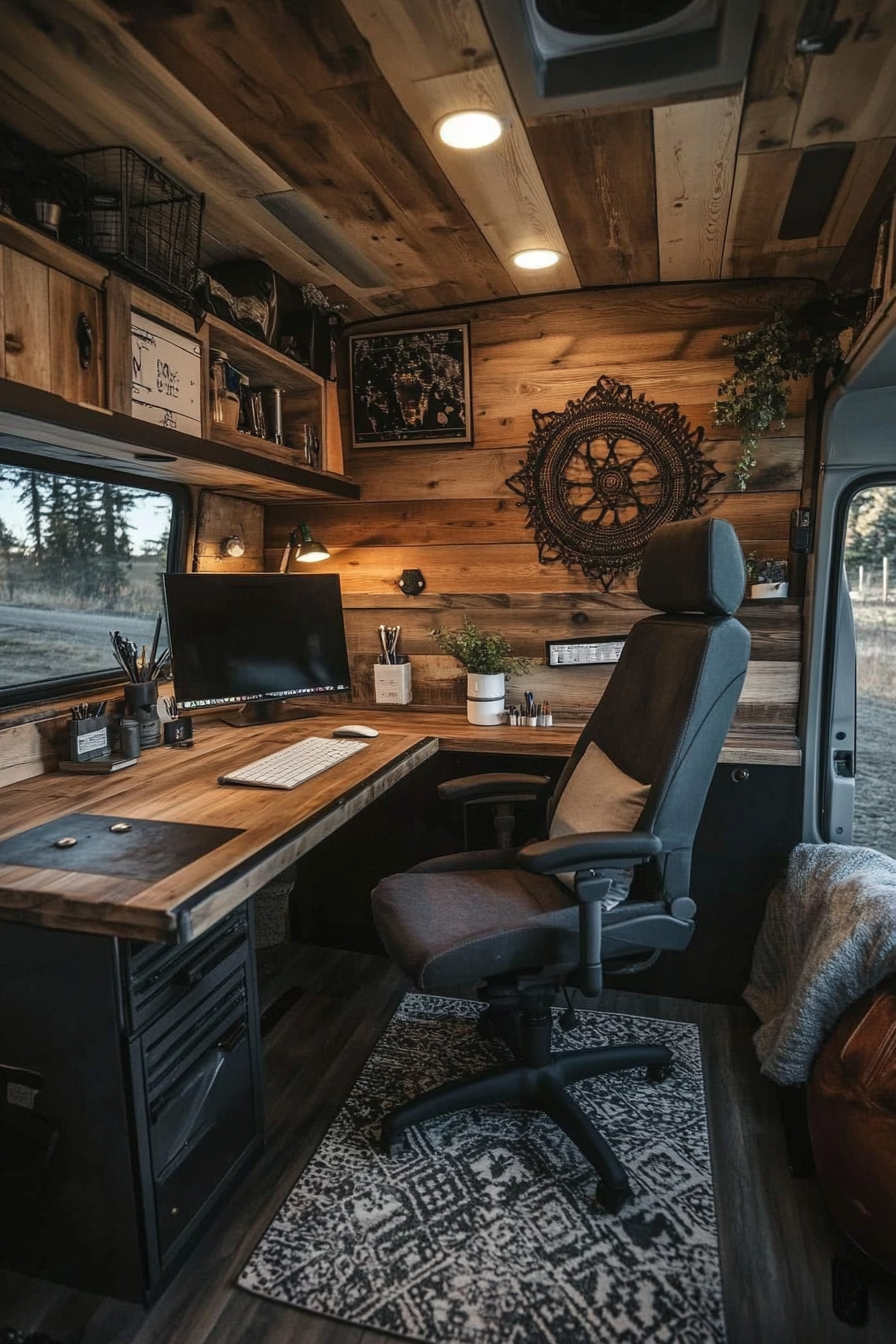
<point x="311" y="130"/>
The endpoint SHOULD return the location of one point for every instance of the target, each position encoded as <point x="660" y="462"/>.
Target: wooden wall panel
<point x="448" y="511"/>
<point x="221" y="516"/>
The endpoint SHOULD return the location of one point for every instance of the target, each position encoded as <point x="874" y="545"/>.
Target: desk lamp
<point x="307" y="550"/>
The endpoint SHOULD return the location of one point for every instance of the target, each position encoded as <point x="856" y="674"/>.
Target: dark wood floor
<point x="775" y="1237"/>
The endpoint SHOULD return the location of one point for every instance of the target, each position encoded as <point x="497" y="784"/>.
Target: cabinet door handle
<point x="84" y="337"/>
<point x="13" y="345"/>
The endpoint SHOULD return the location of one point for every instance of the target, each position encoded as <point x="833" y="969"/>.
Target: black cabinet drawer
<point x="223" y="1132"/>
<point x="157" y="978"/>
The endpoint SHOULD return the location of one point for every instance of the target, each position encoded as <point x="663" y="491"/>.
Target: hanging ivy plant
<point x="767" y="360"/>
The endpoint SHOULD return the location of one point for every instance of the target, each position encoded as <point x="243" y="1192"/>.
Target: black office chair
<point x="531" y="921"/>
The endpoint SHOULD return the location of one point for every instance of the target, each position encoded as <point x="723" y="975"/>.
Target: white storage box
<point x="167" y="376"/>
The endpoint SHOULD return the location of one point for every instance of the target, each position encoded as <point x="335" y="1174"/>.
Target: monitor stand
<point x="256" y="713"/>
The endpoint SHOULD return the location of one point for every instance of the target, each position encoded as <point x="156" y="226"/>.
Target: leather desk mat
<point x="150" y="850"/>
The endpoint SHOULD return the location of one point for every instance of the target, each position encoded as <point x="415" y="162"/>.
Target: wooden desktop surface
<point x="276" y="826"/>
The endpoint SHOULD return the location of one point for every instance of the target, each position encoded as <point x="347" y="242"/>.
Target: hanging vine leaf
<point x="767" y="359"/>
<point x="602" y="475"/>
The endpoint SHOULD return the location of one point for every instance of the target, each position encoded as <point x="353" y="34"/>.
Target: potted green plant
<point x="767" y="359"/>
<point x="487" y="659"/>
<point x="766" y="578"/>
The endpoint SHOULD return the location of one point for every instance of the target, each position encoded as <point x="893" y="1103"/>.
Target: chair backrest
<point x="664" y="715"/>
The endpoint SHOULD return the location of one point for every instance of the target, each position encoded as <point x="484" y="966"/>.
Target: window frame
<point x="80" y="687"/>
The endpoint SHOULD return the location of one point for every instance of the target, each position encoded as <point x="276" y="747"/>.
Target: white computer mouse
<point x="355" y="730"/>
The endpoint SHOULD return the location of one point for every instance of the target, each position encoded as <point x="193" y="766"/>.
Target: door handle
<point x="844" y="765"/>
<point x="84" y="338"/>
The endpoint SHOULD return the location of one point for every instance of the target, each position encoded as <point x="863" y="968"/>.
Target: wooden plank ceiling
<point x="336" y="103"/>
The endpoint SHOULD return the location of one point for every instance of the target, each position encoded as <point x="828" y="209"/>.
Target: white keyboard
<point x="293" y="765"/>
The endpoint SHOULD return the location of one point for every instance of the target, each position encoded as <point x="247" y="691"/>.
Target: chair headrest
<point x="697" y="565"/>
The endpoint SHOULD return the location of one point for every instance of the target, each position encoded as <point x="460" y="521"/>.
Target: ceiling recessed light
<point x="536" y="258"/>
<point x="470" y="130"/>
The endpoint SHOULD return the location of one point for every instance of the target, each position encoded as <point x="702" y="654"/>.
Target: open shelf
<point x="261" y="362"/>
<point x="34" y="423"/>
<point x="304" y="393"/>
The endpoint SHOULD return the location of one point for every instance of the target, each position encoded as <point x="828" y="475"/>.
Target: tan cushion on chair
<point x="598" y="797"/>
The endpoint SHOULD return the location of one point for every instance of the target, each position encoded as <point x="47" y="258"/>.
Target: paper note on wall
<point x="167" y="376"/>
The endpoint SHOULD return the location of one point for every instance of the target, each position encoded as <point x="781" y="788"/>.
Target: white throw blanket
<point x="828" y="936"/>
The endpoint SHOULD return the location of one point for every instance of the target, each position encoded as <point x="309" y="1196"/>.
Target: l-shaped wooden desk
<point x="170" y="785"/>
<point x="126" y="995"/>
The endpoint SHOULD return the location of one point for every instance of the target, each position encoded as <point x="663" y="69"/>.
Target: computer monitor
<point x="258" y="638"/>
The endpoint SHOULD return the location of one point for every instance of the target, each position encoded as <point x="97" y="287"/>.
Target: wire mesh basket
<point x="141" y="220"/>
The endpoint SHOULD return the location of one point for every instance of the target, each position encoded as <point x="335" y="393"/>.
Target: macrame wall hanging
<point x="601" y="476"/>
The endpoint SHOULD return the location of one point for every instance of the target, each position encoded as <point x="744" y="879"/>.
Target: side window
<point x="870" y="565"/>
<point x="79" y="556"/>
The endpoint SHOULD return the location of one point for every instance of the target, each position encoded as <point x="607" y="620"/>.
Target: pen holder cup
<point x="392" y="681"/>
<point x="141" y="699"/>
<point x="89" y="739"/>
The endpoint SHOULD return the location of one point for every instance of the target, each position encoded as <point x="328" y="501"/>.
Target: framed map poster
<point x="411" y="388"/>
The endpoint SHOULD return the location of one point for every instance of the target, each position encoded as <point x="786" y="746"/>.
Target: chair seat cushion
<point x="454" y="928"/>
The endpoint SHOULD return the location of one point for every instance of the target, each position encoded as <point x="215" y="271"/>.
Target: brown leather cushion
<point x="852" y="1120"/>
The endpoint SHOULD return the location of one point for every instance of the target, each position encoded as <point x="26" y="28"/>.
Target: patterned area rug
<point x="485" y="1229"/>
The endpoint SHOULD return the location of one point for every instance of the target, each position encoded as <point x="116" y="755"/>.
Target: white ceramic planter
<point x="485" y="698"/>
<point x="768" y="589"/>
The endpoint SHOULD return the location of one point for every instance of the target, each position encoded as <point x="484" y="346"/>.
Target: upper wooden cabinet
<point x="53" y="330"/>
<point x="68" y="330"/>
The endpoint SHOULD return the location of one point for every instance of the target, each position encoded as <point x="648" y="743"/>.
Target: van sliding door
<point x="848" y="715"/>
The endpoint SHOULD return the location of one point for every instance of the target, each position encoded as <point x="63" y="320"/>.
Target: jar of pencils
<point x="141" y="699"/>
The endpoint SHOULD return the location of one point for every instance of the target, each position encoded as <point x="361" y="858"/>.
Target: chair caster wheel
<point x="658" y="1073"/>
<point x="612" y="1197"/>
<point x="569" y="1019"/>
<point x="392" y="1145"/>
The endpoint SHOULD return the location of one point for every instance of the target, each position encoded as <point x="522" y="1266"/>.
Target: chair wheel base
<point x="658" y="1073"/>
<point x="612" y="1197"/>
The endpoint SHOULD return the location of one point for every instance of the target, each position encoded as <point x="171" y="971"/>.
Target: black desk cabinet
<point x="131" y="1099"/>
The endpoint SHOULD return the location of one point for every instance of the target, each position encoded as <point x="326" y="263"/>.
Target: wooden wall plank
<point x="438" y="58"/>
<point x="495" y="566"/>
<point x="475" y="522"/>
<point x="599" y="171"/>
<point x="459" y="473"/>
<point x="775" y="635"/>
<point x="769" y="698"/>
<point x="694" y="148"/>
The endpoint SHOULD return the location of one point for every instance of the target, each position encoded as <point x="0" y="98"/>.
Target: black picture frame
<point x="411" y="388"/>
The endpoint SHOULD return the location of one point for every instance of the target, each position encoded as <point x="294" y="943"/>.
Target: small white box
<point x="392" y="683"/>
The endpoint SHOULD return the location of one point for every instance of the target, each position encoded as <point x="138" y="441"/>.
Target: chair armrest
<point x="593" y="849"/>
<point x="483" y="787"/>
